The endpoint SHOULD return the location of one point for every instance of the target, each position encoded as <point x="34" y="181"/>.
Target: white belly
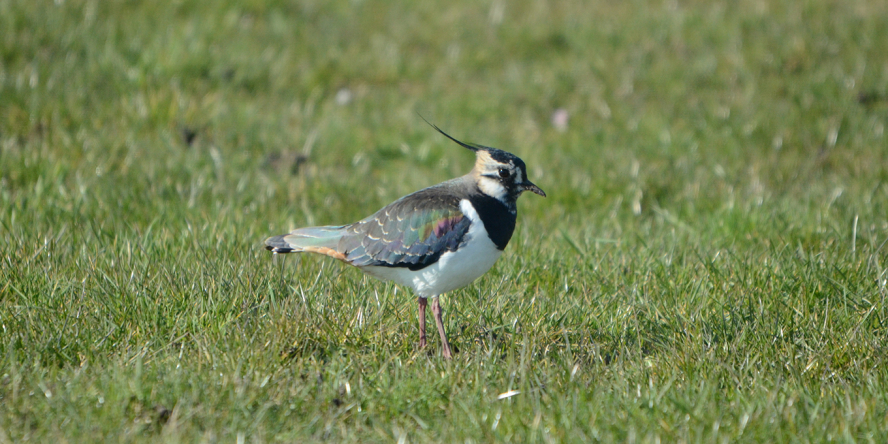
<point x="454" y="269"/>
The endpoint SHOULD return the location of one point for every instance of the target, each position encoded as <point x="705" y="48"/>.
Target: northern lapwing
<point x="435" y="240"/>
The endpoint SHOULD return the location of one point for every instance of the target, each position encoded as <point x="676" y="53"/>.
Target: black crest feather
<point x="470" y="146"/>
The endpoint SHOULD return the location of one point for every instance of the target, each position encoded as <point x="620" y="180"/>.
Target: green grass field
<point x="710" y="264"/>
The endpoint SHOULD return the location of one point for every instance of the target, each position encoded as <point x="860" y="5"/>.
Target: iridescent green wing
<point x="412" y="232"/>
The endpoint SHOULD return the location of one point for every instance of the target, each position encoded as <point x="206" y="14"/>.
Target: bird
<point x="434" y="240"/>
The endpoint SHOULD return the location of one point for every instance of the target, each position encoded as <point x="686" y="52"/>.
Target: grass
<point x="709" y="266"/>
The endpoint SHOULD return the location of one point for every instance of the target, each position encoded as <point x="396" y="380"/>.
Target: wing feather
<point x="412" y="232"/>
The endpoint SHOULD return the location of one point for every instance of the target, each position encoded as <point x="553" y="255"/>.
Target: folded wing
<point x="412" y="232"/>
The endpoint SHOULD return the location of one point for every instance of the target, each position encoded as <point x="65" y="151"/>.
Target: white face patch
<point x="484" y="161"/>
<point x="492" y="187"/>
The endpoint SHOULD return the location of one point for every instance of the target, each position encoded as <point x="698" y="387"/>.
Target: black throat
<point x="498" y="218"/>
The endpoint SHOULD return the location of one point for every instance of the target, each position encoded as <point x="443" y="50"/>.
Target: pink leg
<point x="436" y="310"/>
<point x="422" y="323"/>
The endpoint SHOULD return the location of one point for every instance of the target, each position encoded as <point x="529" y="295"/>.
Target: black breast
<point x="498" y="220"/>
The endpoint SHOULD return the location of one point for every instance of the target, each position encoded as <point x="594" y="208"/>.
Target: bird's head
<point x="498" y="173"/>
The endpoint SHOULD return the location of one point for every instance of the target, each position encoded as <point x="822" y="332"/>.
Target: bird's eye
<point x="504" y="173"/>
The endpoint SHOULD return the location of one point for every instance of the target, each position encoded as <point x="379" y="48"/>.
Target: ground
<point x="709" y="266"/>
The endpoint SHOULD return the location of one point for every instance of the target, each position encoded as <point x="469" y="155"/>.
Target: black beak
<point x="528" y="186"/>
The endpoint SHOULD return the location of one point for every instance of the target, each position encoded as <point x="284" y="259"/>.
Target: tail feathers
<point x="322" y="240"/>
